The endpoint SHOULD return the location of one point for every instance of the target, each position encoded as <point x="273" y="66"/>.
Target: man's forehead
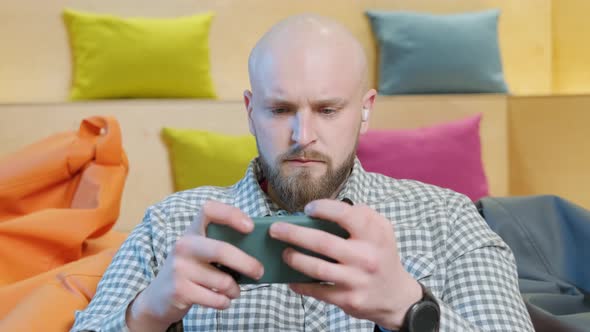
<point x="276" y="94"/>
<point x="306" y="80"/>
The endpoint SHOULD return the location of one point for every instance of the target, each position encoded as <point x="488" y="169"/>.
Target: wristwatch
<point x="424" y="315"/>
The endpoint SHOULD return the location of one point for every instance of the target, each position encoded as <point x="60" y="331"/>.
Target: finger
<point x="196" y="294"/>
<point x="223" y="214"/>
<point x="350" y="302"/>
<point x="209" y="250"/>
<point x="323" y="292"/>
<point x="348" y="217"/>
<point x="318" y="241"/>
<point x="216" y="280"/>
<point x="320" y="269"/>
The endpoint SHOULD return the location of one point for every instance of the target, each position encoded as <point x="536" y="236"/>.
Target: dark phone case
<point x="269" y="251"/>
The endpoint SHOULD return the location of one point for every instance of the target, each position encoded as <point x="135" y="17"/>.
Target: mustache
<point x="300" y="152"/>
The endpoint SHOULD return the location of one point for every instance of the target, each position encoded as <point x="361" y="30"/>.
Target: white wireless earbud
<point x="365" y="115"/>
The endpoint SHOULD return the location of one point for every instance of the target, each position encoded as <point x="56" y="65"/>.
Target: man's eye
<point x="278" y="111"/>
<point x="327" y="111"/>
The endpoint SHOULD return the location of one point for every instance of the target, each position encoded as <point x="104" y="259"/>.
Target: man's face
<point x="305" y="114"/>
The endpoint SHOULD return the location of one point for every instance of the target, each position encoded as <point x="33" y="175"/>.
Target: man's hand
<point x="369" y="281"/>
<point x="187" y="276"/>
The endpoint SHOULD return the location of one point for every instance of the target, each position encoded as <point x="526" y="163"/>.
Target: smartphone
<point x="269" y="251"/>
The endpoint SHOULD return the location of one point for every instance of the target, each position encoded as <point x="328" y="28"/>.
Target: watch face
<point x="425" y="318"/>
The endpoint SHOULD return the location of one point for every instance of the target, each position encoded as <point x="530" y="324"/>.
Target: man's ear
<point x="368" y="102"/>
<point x="248" y="104"/>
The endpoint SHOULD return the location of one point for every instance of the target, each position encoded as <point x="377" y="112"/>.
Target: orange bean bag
<point x="59" y="199"/>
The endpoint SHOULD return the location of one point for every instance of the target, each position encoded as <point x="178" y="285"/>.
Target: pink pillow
<point x="447" y="155"/>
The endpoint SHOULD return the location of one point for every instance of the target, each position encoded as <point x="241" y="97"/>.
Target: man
<point x="411" y="246"/>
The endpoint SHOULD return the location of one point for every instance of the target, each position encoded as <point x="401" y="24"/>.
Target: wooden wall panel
<point x="550" y="147"/>
<point x="35" y="55"/>
<point x="141" y="121"/>
<point x="571" y="50"/>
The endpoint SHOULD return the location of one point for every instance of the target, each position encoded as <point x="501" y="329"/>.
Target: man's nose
<point x="303" y="128"/>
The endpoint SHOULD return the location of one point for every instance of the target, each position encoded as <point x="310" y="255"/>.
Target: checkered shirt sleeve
<point x="481" y="290"/>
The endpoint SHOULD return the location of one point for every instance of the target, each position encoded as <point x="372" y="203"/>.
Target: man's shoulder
<point x="384" y="187"/>
<point x="181" y="207"/>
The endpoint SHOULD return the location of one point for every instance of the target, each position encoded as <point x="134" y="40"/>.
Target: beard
<point x="294" y="191"/>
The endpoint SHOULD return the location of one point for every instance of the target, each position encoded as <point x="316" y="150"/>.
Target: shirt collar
<point x="251" y="199"/>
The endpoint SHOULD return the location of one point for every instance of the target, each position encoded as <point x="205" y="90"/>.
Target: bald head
<point x="304" y="41"/>
<point x="308" y="76"/>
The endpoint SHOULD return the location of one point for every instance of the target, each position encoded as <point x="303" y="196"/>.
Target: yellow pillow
<point x="139" y="57"/>
<point x="201" y="158"/>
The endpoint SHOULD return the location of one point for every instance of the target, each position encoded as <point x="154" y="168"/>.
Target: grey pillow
<point x="428" y="53"/>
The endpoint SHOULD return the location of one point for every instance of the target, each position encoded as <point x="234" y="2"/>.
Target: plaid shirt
<point x="443" y="242"/>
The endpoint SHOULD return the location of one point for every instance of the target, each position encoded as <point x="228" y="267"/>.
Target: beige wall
<point x="550" y="146"/>
<point x="35" y="58"/>
<point x="571" y="47"/>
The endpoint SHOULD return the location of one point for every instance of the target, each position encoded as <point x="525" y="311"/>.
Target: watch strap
<point x="427" y="300"/>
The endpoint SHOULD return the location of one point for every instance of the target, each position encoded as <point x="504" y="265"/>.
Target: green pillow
<point x="201" y="158"/>
<point x="139" y="57"/>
